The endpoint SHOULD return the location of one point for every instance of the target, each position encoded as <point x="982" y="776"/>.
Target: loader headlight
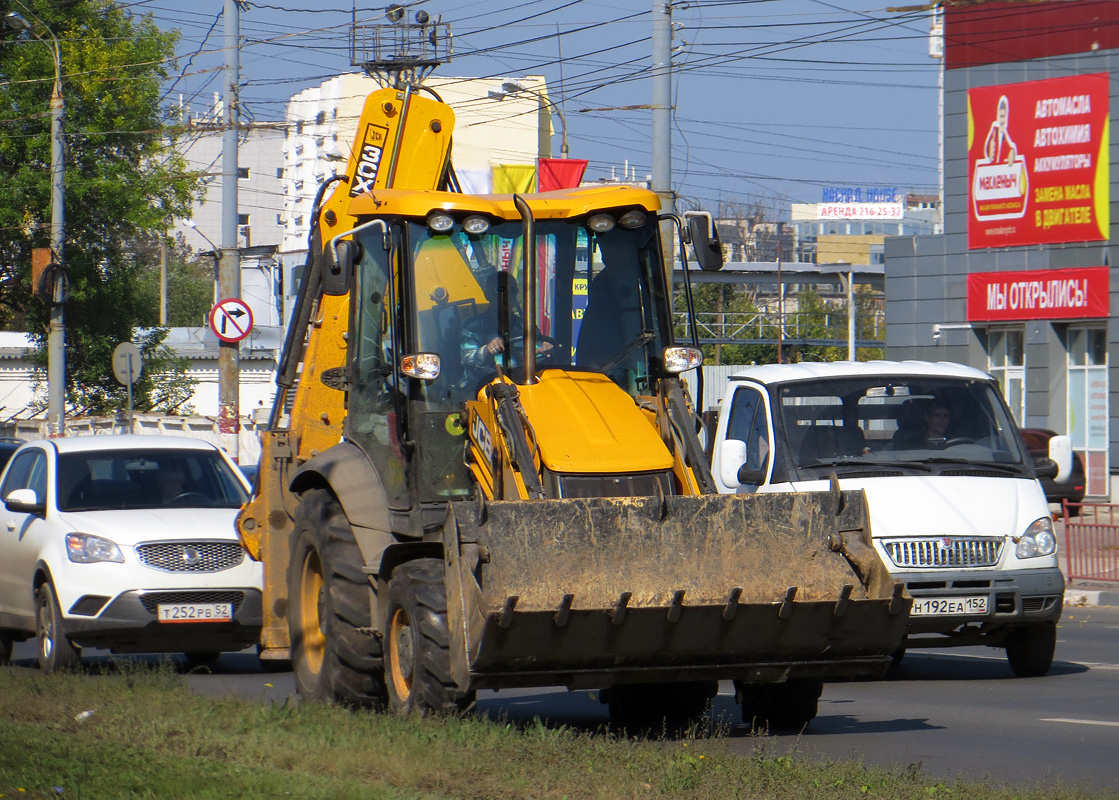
<point x="1038" y="540"/>
<point x="83" y="548"/>
<point x="424" y="366"/>
<point x="440" y="222"/>
<point x="682" y="359"/>
<point x="632" y="219"/>
<point x="601" y="223"/>
<point x="475" y="224"/>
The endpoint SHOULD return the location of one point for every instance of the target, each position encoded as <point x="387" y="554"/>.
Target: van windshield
<point x="935" y="423"/>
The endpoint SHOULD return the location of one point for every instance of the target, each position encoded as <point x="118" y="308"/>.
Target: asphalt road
<point x="956" y="713"/>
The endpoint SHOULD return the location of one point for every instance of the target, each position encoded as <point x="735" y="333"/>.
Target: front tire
<point x="56" y="653"/>
<point x="1030" y="649"/>
<point x="786" y="706"/>
<point x="6" y="643"/>
<point x="418" y="643"/>
<point x="333" y="654"/>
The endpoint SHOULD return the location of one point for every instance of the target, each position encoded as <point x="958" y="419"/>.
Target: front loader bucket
<point x="589" y="593"/>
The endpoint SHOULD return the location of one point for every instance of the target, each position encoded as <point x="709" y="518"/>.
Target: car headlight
<point x="1038" y="540"/>
<point x="83" y="548"/>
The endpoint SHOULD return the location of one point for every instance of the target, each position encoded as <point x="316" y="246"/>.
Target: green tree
<point x="123" y="179"/>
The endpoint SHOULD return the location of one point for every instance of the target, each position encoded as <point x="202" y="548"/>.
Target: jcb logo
<point x="480" y="434"/>
<point x="369" y="160"/>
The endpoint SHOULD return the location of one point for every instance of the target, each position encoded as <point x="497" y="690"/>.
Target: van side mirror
<point x="705" y="241"/>
<point x="1045" y="467"/>
<point x="338" y="267"/>
<point x="1060" y="452"/>
<point x="732" y="460"/>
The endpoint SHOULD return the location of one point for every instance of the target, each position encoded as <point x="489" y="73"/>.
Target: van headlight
<point x="1038" y="540"/>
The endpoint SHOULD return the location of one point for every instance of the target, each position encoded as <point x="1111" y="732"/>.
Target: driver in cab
<point x="481" y="342"/>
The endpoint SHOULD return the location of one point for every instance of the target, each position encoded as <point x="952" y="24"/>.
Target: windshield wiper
<point x="640" y="339"/>
<point x="1007" y="468"/>
<point x="866" y="462"/>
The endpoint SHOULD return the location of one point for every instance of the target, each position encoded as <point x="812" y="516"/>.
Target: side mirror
<point x="338" y="267"/>
<point x="732" y="460"/>
<point x="705" y="241"/>
<point x="24" y="501"/>
<point x="753" y="477"/>
<point x="1060" y="451"/>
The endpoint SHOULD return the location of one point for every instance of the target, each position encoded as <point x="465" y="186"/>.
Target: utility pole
<point x="229" y="268"/>
<point x="662" y="104"/>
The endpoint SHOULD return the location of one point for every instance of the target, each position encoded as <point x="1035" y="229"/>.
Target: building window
<point x="1088" y="388"/>
<point x="1006" y="361"/>
<point x="320" y="118"/>
<point x="279" y="173"/>
<point x="242" y="219"/>
<point x="242" y="172"/>
<point x="279" y="219"/>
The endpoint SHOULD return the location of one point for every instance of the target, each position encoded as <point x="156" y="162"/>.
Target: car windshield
<point x="131" y="479"/>
<point x="924" y="422"/>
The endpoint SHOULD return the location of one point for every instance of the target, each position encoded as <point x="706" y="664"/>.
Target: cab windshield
<point x="599" y="298"/>
<point x="933" y="424"/>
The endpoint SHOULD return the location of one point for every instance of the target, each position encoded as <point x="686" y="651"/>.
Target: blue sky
<point x="774" y="99"/>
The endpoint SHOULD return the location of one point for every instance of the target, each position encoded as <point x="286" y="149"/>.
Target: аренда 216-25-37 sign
<point x="1038" y="162"/>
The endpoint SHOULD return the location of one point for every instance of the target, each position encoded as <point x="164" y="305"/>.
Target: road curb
<point x="1090" y="597"/>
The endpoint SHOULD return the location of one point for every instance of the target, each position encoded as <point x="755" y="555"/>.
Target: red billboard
<point x="1038" y="162"/>
<point x="1073" y="293"/>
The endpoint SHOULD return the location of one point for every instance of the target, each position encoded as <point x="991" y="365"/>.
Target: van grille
<point x="943" y="552"/>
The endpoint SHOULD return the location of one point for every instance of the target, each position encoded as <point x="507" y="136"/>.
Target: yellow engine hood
<point x="585" y="423"/>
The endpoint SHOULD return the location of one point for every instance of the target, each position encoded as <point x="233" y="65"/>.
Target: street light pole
<point x="56" y="333"/>
<point x="515" y="87"/>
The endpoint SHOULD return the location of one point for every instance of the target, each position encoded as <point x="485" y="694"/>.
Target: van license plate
<point x="195" y="612"/>
<point x="944" y="606"/>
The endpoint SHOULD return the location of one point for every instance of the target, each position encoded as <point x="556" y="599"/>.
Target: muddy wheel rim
<point x="401" y="656"/>
<point x="311" y="612"/>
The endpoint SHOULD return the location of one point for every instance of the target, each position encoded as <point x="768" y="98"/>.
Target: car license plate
<point x="195" y="612"/>
<point x="944" y="606"/>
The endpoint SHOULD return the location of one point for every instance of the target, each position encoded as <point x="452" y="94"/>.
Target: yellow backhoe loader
<point x="483" y="469"/>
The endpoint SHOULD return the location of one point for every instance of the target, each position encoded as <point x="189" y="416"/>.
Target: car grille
<point x="945" y="551"/>
<point x="153" y="599"/>
<point x="191" y="556"/>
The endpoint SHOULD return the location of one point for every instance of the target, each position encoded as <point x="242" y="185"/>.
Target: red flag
<point x="560" y="173"/>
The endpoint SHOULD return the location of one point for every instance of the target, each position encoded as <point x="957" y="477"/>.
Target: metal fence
<point x="797" y="327"/>
<point x="1092" y="541"/>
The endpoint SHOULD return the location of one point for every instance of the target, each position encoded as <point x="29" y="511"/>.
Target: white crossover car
<point x="125" y="543"/>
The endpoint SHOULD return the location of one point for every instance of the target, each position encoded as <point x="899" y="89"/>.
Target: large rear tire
<point x="1030" y="649"/>
<point x="334" y="655"/>
<point x="651" y="702"/>
<point x="786" y="706"/>
<point x="55" y="650"/>
<point x="6" y="643"/>
<point x="418" y="643"/>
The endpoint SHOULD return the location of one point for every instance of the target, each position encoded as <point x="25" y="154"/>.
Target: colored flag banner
<point x="514" y="178"/>
<point x="1038" y="167"/>
<point x="561" y="173"/>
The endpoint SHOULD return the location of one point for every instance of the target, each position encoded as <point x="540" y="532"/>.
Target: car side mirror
<point x="1060" y="452"/>
<point x="705" y="242"/>
<point x="754" y="477"/>
<point x="24" y="501"/>
<point x="732" y="460"/>
<point x="338" y="267"/>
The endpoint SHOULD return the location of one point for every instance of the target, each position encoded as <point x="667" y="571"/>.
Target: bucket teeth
<point x="506" y="618"/>
<point x="731" y="607"/>
<point x="618" y="614"/>
<point x="897" y="601"/>
<point x="676" y="605"/>
<point x="564" y="610"/>
<point x="787" y="604"/>
<point x="844" y="599"/>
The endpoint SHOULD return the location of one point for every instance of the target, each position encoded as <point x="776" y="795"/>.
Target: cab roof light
<point x="440" y="222"/>
<point x="601" y="223"/>
<point x="633" y="218"/>
<point x="475" y="224"/>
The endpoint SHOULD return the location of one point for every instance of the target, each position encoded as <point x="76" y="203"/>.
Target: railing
<point x="796" y="327"/>
<point x="1091" y="541"/>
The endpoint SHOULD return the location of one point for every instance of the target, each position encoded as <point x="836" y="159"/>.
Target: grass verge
<point x="138" y="732"/>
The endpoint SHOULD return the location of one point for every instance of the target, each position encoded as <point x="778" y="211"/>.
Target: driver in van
<point x="930" y="426"/>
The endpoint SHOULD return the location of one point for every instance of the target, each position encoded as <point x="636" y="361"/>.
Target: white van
<point x="956" y="510"/>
